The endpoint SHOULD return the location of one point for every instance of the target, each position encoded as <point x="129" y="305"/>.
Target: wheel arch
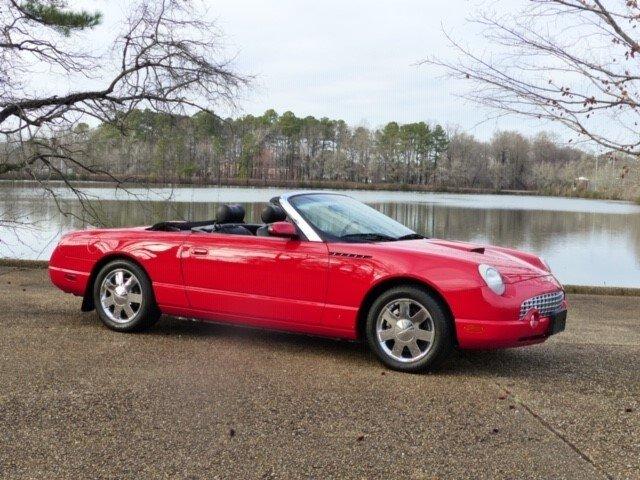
<point x="389" y="283"/>
<point x="87" y="298"/>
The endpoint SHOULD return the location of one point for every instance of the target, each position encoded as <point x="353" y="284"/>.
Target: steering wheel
<point x="346" y="227"/>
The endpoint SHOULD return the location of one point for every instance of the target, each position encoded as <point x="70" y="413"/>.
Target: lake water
<point x="586" y="242"/>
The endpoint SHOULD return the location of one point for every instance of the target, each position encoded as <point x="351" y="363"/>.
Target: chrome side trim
<point x="300" y="222"/>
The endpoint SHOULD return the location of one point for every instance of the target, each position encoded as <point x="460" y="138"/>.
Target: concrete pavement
<point x="194" y="400"/>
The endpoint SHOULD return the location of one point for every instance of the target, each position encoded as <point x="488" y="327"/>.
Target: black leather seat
<point x="229" y="219"/>
<point x="230" y="213"/>
<point x="270" y="214"/>
<point x="233" y="229"/>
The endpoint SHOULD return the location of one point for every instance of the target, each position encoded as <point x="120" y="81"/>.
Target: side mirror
<point x="283" y="229"/>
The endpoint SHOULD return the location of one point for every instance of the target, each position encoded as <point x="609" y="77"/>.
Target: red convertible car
<point x="322" y="264"/>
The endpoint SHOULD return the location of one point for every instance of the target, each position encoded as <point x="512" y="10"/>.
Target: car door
<point x="270" y="279"/>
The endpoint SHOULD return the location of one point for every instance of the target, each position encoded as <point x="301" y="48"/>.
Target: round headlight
<point x="492" y="278"/>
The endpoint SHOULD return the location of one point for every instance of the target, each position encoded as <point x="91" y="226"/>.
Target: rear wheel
<point x="124" y="298"/>
<point x="408" y="329"/>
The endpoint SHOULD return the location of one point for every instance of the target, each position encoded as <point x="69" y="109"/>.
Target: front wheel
<point x="408" y="329"/>
<point x="124" y="298"/>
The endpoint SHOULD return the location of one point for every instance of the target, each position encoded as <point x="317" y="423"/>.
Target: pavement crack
<point x="550" y="428"/>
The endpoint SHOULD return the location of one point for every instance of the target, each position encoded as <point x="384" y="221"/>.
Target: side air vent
<point x="348" y="255"/>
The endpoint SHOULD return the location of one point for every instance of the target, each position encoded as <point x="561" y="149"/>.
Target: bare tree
<point x="569" y="61"/>
<point x="166" y="59"/>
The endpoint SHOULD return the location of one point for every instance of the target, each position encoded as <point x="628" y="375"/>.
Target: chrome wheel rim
<point x="120" y="295"/>
<point x="405" y="330"/>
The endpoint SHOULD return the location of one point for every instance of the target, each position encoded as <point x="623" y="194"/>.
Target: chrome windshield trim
<point x="300" y="222"/>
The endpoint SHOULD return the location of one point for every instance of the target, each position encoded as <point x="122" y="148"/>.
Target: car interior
<point x="229" y="220"/>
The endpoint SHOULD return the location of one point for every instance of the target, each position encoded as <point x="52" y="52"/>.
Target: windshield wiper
<point x="411" y="236"/>
<point x="368" y="237"/>
<point x="379" y="237"/>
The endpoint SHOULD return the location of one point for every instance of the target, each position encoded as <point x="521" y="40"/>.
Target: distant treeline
<point x="287" y="149"/>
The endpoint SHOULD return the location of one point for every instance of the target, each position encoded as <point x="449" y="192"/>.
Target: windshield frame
<point x="315" y="234"/>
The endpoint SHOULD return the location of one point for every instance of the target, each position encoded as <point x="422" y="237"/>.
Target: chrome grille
<point x="546" y="304"/>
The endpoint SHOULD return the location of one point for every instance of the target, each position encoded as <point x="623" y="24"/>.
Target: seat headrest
<point x="230" y="213"/>
<point x="273" y="213"/>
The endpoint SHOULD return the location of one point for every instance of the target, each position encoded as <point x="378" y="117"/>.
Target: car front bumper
<point x="478" y="334"/>
<point x="484" y="320"/>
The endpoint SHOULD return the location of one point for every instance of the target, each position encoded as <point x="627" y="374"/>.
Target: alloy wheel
<point x="121" y="295"/>
<point x="405" y="330"/>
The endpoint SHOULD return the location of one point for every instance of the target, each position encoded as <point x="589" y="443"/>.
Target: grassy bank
<point x="133" y="181"/>
<point x="271" y="183"/>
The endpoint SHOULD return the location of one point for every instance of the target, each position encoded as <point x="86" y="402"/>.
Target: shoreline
<point x="572" y="289"/>
<point x="136" y="181"/>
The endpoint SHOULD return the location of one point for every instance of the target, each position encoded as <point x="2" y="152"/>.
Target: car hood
<point x="514" y="266"/>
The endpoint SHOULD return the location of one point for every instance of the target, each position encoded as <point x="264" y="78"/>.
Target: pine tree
<point x="56" y="14"/>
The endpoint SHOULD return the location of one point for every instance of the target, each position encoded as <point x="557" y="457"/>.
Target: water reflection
<point x="582" y="248"/>
<point x="592" y="243"/>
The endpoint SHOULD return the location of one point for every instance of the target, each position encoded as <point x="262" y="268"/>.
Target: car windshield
<point x="338" y="217"/>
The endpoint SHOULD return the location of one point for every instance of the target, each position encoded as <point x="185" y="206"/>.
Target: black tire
<point x="145" y="312"/>
<point x="438" y="326"/>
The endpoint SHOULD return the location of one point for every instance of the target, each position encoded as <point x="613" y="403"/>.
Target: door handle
<point x="199" y="251"/>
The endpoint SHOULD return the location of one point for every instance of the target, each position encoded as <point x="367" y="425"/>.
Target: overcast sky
<point x="350" y="59"/>
<point x="357" y="59"/>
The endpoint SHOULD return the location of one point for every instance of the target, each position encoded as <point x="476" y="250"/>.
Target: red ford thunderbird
<point x="322" y="264"/>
